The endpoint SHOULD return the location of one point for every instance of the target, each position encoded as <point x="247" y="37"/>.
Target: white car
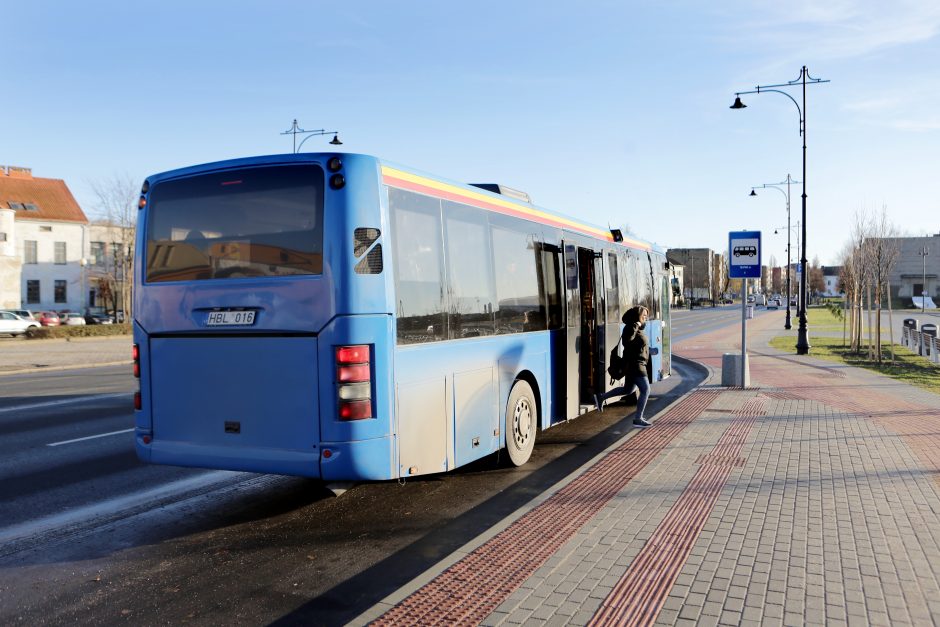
<point x="72" y="319"/>
<point x="12" y="324"/>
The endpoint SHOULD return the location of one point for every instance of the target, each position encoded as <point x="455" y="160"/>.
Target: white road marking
<point x="82" y="399"/>
<point x="90" y="437"/>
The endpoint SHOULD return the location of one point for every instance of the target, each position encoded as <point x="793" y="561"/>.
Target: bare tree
<point x="883" y="250"/>
<point x="117" y="209"/>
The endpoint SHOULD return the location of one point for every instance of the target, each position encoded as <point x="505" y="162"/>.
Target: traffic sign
<point x="744" y="255"/>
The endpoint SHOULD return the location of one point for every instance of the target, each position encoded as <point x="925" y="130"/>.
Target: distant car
<point x="72" y="319"/>
<point x="98" y="318"/>
<point x="25" y="314"/>
<point x="12" y="324"/>
<point x="750" y="300"/>
<point x="773" y="303"/>
<point x="48" y="318"/>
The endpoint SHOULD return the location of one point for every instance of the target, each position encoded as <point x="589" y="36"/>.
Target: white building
<point x="42" y="243"/>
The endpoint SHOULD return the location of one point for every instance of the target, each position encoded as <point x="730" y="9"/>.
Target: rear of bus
<point x="262" y="333"/>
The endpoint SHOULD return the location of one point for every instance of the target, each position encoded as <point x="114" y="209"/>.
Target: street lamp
<point x="923" y="290"/>
<point x="802" y="342"/>
<point x="295" y="130"/>
<point x="777" y="186"/>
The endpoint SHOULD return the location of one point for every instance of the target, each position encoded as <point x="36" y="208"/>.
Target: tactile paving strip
<point x="641" y="592"/>
<point x="471" y="589"/>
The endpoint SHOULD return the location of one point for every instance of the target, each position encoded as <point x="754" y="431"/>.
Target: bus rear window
<point x="255" y="222"/>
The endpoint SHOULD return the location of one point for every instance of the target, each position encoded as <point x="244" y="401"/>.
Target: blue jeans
<point x="639" y="382"/>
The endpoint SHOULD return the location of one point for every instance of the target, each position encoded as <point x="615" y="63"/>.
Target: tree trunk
<point x="890" y="318"/>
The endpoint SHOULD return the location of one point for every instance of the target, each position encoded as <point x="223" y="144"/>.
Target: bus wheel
<point x="521" y="423"/>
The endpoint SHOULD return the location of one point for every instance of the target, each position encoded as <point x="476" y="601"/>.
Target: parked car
<point x="98" y="318"/>
<point x="25" y="314"/>
<point x="48" y="318"/>
<point x="12" y="324"/>
<point x="72" y="319"/>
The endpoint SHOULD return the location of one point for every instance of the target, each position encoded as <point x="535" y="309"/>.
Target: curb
<point x="72" y="367"/>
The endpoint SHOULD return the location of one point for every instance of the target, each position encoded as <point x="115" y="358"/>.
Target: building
<point x="51" y="257"/>
<point x="914" y="272"/>
<point x="42" y="241"/>
<point x="699" y="280"/>
<point x="831" y="276"/>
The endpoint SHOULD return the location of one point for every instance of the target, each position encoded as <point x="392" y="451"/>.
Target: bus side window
<point x="419" y="286"/>
<point x="517" y="291"/>
<point x="469" y="273"/>
<point x="550" y="285"/>
<point x="613" y="290"/>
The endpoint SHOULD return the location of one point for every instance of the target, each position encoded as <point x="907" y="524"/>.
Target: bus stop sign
<point x="744" y="254"/>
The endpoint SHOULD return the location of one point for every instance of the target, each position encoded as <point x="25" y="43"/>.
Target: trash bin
<point x="750" y="311"/>
<point x="926" y="344"/>
<point x="910" y="323"/>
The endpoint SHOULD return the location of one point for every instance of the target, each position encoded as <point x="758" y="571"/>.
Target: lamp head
<point x="753" y="193"/>
<point x="738" y="104"/>
<point x="335" y="141"/>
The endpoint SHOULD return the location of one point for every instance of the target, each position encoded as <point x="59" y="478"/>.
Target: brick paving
<point x="811" y="498"/>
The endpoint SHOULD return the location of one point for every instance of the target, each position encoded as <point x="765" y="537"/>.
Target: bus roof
<point x="413" y="179"/>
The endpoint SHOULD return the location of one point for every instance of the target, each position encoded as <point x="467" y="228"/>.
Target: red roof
<point x="36" y="198"/>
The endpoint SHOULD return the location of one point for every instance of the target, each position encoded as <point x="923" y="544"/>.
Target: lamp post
<point x="295" y="130"/>
<point x="802" y="341"/>
<point x="923" y="290"/>
<point x="777" y="186"/>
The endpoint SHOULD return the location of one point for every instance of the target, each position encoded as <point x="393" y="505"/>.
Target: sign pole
<point x="743" y="329"/>
<point x="744" y="255"/>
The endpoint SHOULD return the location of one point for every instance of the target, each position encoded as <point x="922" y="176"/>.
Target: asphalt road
<point x="89" y="534"/>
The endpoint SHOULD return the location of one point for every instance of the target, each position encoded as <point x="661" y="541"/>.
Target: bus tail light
<point x="135" y="355"/>
<point x="354" y="379"/>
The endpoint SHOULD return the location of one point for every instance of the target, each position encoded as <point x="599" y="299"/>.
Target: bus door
<point x="611" y="330"/>
<point x="572" y="332"/>
<point x="590" y="356"/>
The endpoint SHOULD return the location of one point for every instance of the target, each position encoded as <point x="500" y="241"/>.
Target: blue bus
<point x="340" y="317"/>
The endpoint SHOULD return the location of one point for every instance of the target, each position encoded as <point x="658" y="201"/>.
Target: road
<point x="89" y="534"/>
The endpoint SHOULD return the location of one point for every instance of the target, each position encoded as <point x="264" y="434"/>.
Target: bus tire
<point x="521" y="423"/>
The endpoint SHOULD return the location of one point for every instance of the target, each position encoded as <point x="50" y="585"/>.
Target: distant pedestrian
<point x="636" y="354"/>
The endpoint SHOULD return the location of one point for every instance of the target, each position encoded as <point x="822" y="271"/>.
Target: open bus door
<point x="584" y="346"/>
<point x="572" y="332"/>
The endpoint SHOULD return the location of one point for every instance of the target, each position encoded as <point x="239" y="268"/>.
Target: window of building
<point x="29" y="251"/>
<point x="31" y="206"/>
<point x="3" y="237"/>
<point x="46" y="229"/>
<point x="32" y="291"/>
<point x="97" y="254"/>
<point x="61" y="294"/>
<point x="60" y="253"/>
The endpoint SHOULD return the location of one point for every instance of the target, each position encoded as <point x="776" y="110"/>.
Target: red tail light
<point x="138" y="404"/>
<point x="350" y="374"/>
<point x="135" y="353"/>
<point x="354" y="379"/>
<point x="355" y="410"/>
<point x="352" y="354"/>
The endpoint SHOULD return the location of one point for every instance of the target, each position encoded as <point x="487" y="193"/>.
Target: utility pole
<point x="923" y="290"/>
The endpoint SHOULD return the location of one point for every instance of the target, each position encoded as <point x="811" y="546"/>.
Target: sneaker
<point x="641" y="424"/>
<point x="597" y="403"/>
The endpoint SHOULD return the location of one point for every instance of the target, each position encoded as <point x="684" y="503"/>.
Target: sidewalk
<point x="19" y="356"/>
<point x="811" y="498"/>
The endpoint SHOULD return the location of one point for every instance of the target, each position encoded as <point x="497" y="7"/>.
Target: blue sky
<point x="616" y="112"/>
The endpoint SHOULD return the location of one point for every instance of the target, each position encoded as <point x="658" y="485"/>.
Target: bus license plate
<point x="230" y="318"/>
